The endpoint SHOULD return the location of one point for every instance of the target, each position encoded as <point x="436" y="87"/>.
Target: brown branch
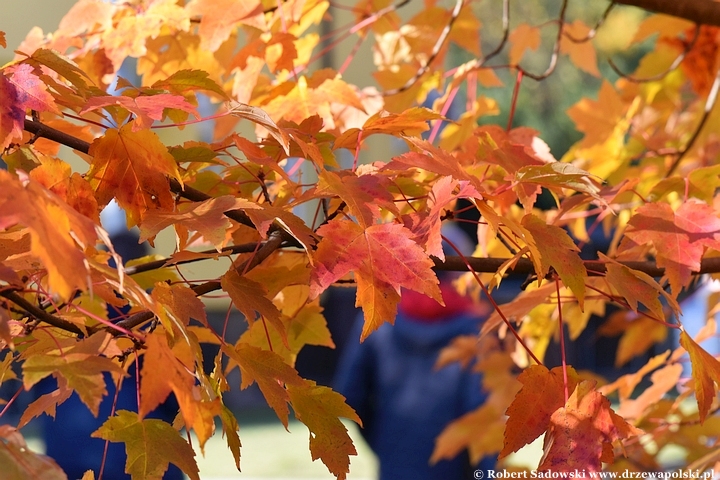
<point x="433" y="53"/>
<point x="40" y="314"/>
<point x="41" y="130"/>
<point x="556" y="48"/>
<point x="675" y="64"/>
<point x="594" y="267"/>
<point x="705" y="12"/>
<point x="274" y="241"/>
<point x="168" y="262"/>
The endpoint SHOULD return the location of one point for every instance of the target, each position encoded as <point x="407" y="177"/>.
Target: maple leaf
<point x="383" y="258"/>
<point x="636" y="286"/>
<point x="524" y="37"/>
<point x="666" y="26"/>
<point x="47" y="403"/>
<point x="12" y="113"/>
<point x="580" y="430"/>
<point x="187" y="80"/>
<point x="57" y="176"/>
<point x="56" y="231"/>
<point x="207" y="218"/>
<point x="20" y="463"/>
<point x="530" y="412"/>
<point x="63" y="66"/>
<point x="31" y="92"/>
<point x="305" y="325"/>
<point x="463" y="433"/>
<point x="165" y="370"/>
<point x="705" y="372"/>
<point x="411" y="122"/>
<point x="312" y="96"/>
<point x="270" y="372"/>
<point x="250" y="297"/>
<point x="182" y="301"/>
<point x="638" y="335"/>
<point x="220" y="17"/>
<point x="582" y="54"/>
<point x="598" y="119"/>
<point x="80" y="366"/>
<point x="131" y="166"/>
<point x="263" y="119"/>
<point x="267" y="215"/>
<point x="557" y="250"/>
<point x="319" y="408"/>
<point x="230" y="429"/>
<point x="364" y="194"/>
<point x="663" y="380"/>
<point x="427" y="225"/>
<point x="679" y="237"/>
<point x="151" y="445"/>
<point x="559" y="174"/>
<point x="146" y="108"/>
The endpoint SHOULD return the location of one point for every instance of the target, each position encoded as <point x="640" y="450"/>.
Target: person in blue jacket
<point x="403" y="401"/>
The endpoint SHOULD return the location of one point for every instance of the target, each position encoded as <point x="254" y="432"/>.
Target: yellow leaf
<point x="705" y="372"/>
<point x="151" y="445"/>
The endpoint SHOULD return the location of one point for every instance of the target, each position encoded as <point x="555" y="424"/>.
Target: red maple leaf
<point x="679" y="237"/>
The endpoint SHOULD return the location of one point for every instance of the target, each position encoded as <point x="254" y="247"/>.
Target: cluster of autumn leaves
<point x="376" y="225"/>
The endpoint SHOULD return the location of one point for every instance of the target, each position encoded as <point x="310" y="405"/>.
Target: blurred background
<point x="268" y="451"/>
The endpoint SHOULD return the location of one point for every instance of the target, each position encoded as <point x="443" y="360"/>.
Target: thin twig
<point x="675" y="64"/>
<point x="40" y="314"/>
<point x="433" y="53"/>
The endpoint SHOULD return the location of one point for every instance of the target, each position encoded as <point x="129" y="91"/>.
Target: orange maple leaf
<point x="530" y="412"/>
<point x="581" y="432"/>
<point x="524" y="37"/>
<point x="581" y="53"/>
<point x="598" y="119"/>
<point x="270" y="372"/>
<point x="147" y="108"/>
<point x="364" y="194"/>
<point x="57" y="176"/>
<point x="319" y="408"/>
<point x="250" y="297"/>
<point x="132" y="167"/>
<point x="463" y="433"/>
<point x="151" y="445"/>
<point x="557" y="250"/>
<point x="165" y="370"/>
<point x="679" y="237"/>
<point x="59" y="234"/>
<point x="80" y="365"/>
<point x="20" y="462"/>
<point x="47" y="403"/>
<point x="636" y="286"/>
<point x="221" y="17"/>
<point x="207" y="218"/>
<point x="384" y="260"/>
<point x="705" y="372"/>
<point x="426" y="225"/>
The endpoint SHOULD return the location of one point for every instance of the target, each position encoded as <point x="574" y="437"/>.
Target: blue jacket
<point x="404" y="403"/>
